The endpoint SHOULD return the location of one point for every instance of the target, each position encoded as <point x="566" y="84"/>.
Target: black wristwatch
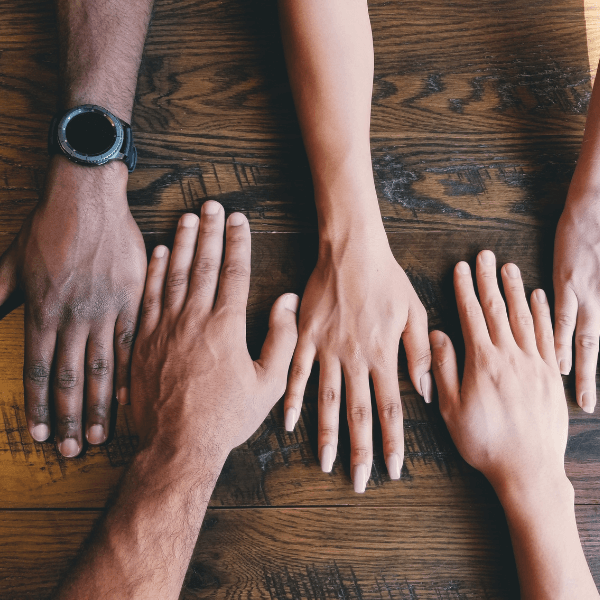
<point x="91" y="135"/>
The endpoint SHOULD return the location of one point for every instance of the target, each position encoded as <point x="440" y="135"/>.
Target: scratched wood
<point x="306" y="554"/>
<point x="478" y="114"/>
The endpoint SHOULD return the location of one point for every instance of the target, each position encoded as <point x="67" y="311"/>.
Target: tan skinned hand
<point x="80" y="261"/>
<point x="508" y="416"/>
<point x="357" y="305"/>
<point x="195" y="390"/>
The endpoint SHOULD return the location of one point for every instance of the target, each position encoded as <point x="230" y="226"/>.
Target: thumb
<point x="8" y="271"/>
<point x="280" y="343"/>
<point x="445" y="370"/>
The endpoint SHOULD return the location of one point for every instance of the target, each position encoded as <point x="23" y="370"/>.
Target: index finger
<point x="234" y="281"/>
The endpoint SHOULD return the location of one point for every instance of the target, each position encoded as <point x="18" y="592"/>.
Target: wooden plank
<point x="277" y="468"/>
<point x="306" y="554"/>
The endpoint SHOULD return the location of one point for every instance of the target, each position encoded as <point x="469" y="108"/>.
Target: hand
<point x="80" y="261"/>
<point x="508" y="417"/>
<point x="195" y="391"/>
<point x="357" y="304"/>
<point x="577" y="292"/>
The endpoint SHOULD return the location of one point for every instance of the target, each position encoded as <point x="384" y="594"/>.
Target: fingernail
<point x="327" y="458"/>
<point x="463" y="267"/>
<point x="95" y="434"/>
<point x="123" y="396"/>
<point x="512" y="271"/>
<point x="159" y="251"/>
<point x="291" y="302"/>
<point x="588" y="402"/>
<point x="540" y="296"/>
<point x="393" y="466"/>
<point x="290" y="419"/>
<point x="189" y="220"/>
<point x="236" y="219"/>
<point x="40" y="432"/>
<point x="69" y="448"/>
<point x="564" y="366"/>
<point x="426" y="387"/>
<point x="211" y="207"/>
<point x="359" y="478"/>
<point x="487" y="257"/>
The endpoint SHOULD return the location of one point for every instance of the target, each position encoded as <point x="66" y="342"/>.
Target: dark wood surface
<point x="478" y="114"/>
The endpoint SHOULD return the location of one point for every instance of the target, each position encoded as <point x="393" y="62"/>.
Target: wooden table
<point x="478" y="113"/>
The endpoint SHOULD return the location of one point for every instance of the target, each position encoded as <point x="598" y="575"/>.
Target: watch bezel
<point x="91" y="159"/>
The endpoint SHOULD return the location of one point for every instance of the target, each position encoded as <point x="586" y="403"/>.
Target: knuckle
<point x="298" y="373"/>
<point x="522" y="318"/>
<point x="98" y="410"/>
<point x="37" y="373"/>
<point x="328" y="431"/>
<point x="66" y="378"/>
<point x="329" y="397"/>
<point x="495" y="306"/>
<point x="207" y="266"/>
<point x="565" y="320"/>
<point x="150" y="305"/>
<point x="235" y="271"/>
<point x="390" y="410"/>
<point x="98" y="367"/>
<point x="585" y="341"/>
<point x="125" y="339"/>
<point x="359" y="415"/>
<point x="177" y="279"/>
<point x="421" y="360"/>
<point x="39" y="412"/>
<point x="472" y="309"/>
<point x="68" y="423"/>
<point x="361" y="454"/>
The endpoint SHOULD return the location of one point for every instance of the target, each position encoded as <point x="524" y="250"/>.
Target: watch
<point x="92" y="135"/>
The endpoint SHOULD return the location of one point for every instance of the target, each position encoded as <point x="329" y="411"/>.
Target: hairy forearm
<point x="548" y="552"/>
<point x="101" y="44"/>
<point x="142" y="547"/>
<point x="329" y="53"/>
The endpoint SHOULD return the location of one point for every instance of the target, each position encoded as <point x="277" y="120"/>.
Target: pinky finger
<point x="542" y="323"/>
<point x="299" y="374"/>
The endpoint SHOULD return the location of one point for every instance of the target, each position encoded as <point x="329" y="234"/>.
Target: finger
<point x="278" y="349"/>
<point x="124" y="336"/>
<point x="586" y="357"/>
<point x="99" y="383"/>
<point x="445" y="370"/>
<point x="330" y="391"/>
<point x="39" y="351"/>
<point x="471" y="316"/>
<point x="68" y="390"/>
<point x="178" y="275"/>
<point x="418" y="353"/>
<point x="207" y="264"/>
<point x="154" y="290"/>
<point x="565" y="319"/>
<point x="542" y="323"/>
<point x="360" y="423"/>
<point x="387" y="395"/>
<point x="8" y="271"/>
<point x="234" y="282"/>
<point x="519" y="315"/>
<point x="492" y="304"/>
<point x="302" y="363"/>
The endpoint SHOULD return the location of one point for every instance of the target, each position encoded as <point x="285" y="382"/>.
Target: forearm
<point x="329" y="53"/>
<point x="548" y="552"/>
<point x="142" y="547"/>
<point x="101" y="44"/>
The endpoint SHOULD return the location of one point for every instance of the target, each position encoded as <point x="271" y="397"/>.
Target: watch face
<point x="91" y="133"/>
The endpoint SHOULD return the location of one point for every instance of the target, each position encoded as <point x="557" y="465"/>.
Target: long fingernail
<point x="96" y="435"/>
<point x="189" y="220"/>
<point x="393" y="466"/>
<point x="564" y="366"/>
<point x="359" y="478"/>
<point x="40" y="432"/>
<point x="123" y="395"/>
<point x="426" y="386"/>
<point x="291" y="302"/>
<point x="588" y="402"/>
<point x="290" y="419"/>
<point x="69" y="448"/>
<point x="327" y="458"/>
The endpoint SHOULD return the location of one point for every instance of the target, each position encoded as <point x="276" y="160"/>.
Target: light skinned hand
<point x="357" y="305"/>
<point x="195" y="390"/>
<point x="508" y="416"/>
<point x="81" y="262"/>
<point x="577" y="292"/>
